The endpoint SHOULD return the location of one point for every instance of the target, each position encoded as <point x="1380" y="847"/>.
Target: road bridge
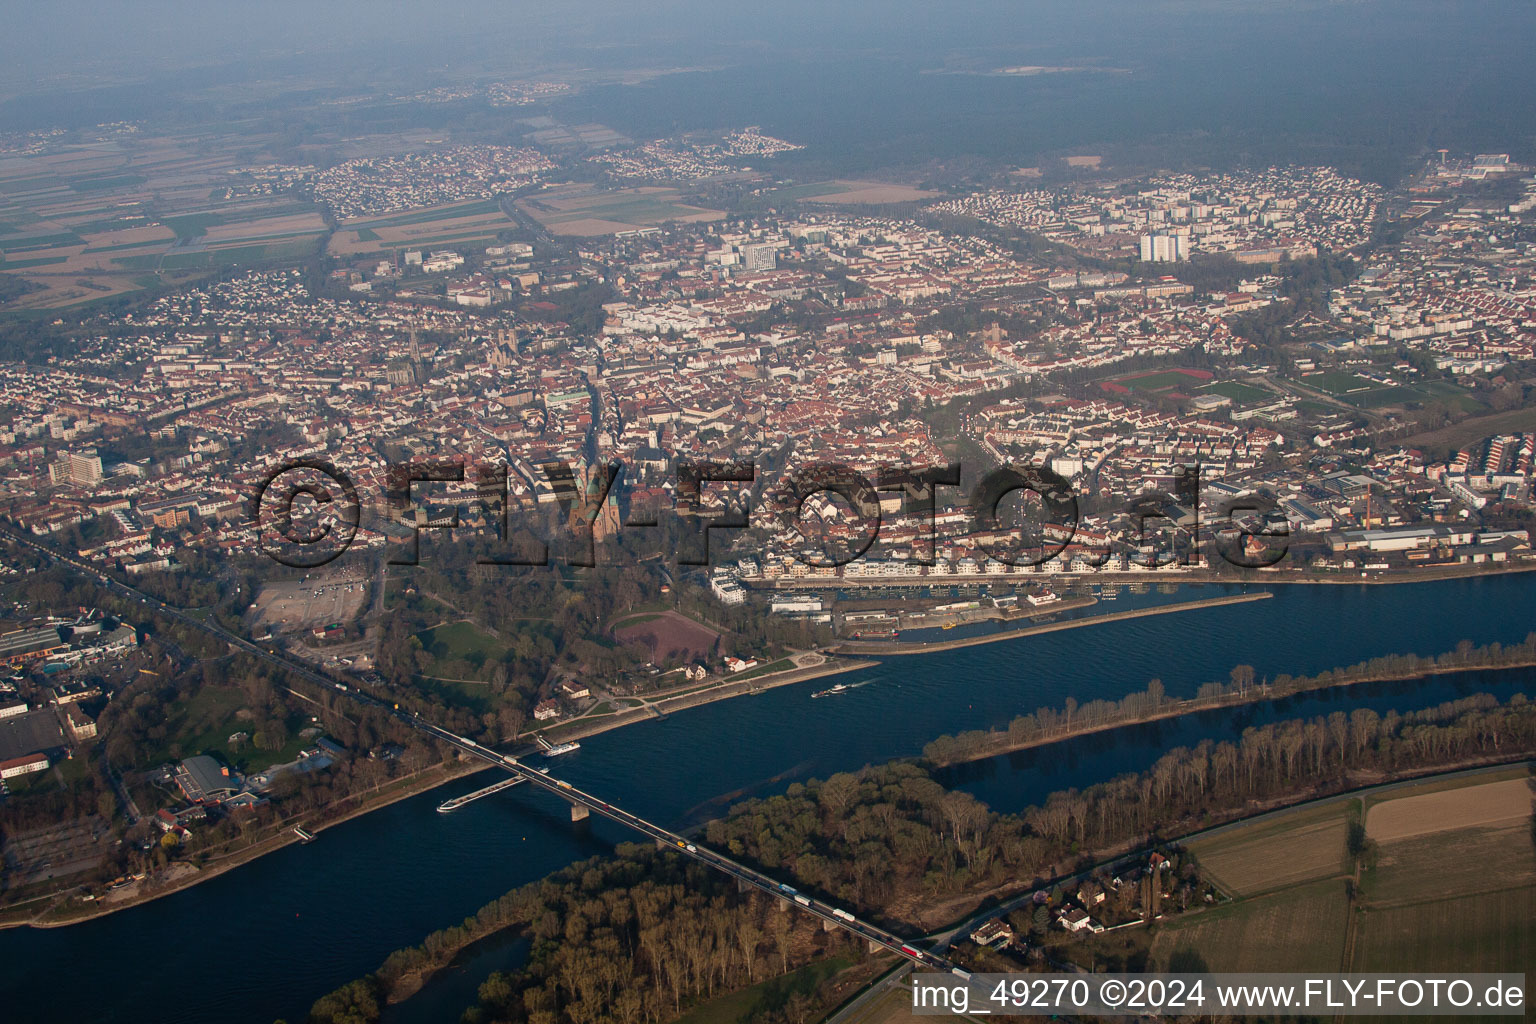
<point x="745" y="876"/>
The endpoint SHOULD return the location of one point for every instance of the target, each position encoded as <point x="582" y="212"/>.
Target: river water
<point x="263" y="941"/>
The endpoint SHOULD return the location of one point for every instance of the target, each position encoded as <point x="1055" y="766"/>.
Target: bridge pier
<point x="579" y="812"/>
<point x="742" y="886"/>
<point x="875" y="947"/>
<point x="827" y="926"/>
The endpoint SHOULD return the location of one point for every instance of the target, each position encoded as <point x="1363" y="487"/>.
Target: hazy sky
<point x="140" y="37"/>
<point x="1393" y="69"/>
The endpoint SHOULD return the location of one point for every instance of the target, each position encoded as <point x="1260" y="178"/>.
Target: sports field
<point x="1365" y="393"/>
<point x="671" y="637"/>
<point x="1242" y="394"/>
<point x="1158" y="381"/>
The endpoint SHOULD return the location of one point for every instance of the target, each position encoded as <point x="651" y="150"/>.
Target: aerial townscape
<point x="644" y="532"/>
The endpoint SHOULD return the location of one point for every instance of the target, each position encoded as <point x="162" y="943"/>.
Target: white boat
<point x="556" y="749"/>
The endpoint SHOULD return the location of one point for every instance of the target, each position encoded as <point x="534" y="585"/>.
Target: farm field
<point x="1492" y="804"/>
<point x="1452" y="863"/>
<point x="1447" y="881"/>
<point x="115" y="215"/>
<point x="1299" y="929"/>
<point x="745" y="1003"/>
<point x="893" y="1007"/>
<point x="1285" y="851"/>
<point x="586" y="212"/>
<point x="1494" y="931"/>
<point x="1488" y="825"/>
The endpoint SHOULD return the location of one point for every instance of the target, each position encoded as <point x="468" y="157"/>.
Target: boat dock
<point x="556" y="749"/>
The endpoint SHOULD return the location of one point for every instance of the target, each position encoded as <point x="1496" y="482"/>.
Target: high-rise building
<point x="762" y="256"/>
<point x="81" y="468"/>
<point x="1164" y="248"/>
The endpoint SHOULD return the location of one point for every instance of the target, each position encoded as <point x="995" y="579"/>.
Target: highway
<point x="557" y="787"/>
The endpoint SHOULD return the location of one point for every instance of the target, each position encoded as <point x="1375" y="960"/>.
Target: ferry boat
<point x="556" y="749"/>
<point x="839" y="688"/>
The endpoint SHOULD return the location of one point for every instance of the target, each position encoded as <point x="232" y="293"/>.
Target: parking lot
<point x="294" y="605"/>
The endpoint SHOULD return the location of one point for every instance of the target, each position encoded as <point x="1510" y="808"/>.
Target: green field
<point x="790" y="193"/>
<point x="203" y="724"/>
<point x="26" y="243"/>
<point x="1338" y="382"/>
<point x="41" y="261"/>
<point x="191" y="225"/>
<point x="214" y="258"/>
<point x="1368" y="394"/>
<point x="461" y="650"/>
<point x="626" y="210"/>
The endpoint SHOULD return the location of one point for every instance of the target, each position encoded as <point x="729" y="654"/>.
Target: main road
<point x="743" y="874"/>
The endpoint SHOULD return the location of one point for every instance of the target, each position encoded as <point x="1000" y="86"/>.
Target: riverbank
<point x="709" y="693"/>
<point x="928" y="647"/>
<point x="176" y="881"/>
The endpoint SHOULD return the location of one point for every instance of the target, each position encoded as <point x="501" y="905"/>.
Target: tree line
<point x="1049" y="725"/>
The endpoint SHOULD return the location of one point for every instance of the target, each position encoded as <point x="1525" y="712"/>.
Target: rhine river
<point x="263" y="941"/>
